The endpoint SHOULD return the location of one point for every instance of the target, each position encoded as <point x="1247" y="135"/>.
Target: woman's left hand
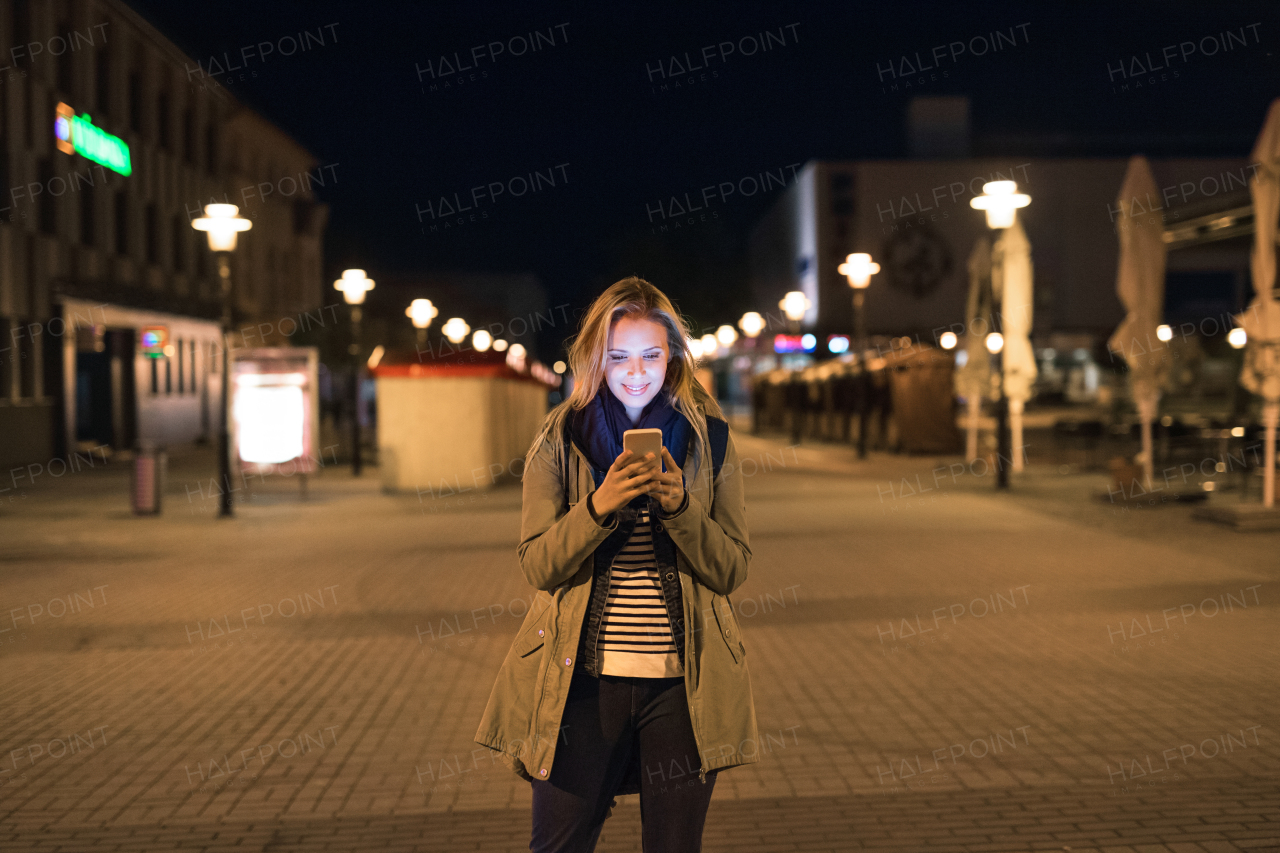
<point x="668" y="486"/>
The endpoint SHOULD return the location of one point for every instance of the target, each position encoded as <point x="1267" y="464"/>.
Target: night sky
<point x="588" y="104"/>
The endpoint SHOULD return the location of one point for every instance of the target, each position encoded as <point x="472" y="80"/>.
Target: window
<point x="162" y="118"/>
<point x="211" y="150"/>
<point x="189" y="136"/>
<point x="181" y="232"/>
<point x="47" y="202"/>
<point x="192" y="362"/>
<point x="122" y="222"/>
<point x="102" y="81"/>
<point x="135" y="101"/>
<point x="66" y="62"/>
<point x="168" y="375"/>
<point x="155" y="375"/>
<point x="182" y="363"/>
<point x="7" y="357"/>
<point x="153" y="238"/>
<point x="88" y="227"/>
<point x="26" y="352"/>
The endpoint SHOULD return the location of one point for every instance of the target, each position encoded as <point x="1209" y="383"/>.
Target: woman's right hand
<point x="624" y="480"/>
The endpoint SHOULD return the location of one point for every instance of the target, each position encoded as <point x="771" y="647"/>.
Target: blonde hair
<point x="634" y="298"/>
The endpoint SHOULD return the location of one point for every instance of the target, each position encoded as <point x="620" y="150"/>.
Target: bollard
<point x="148" y="479"/>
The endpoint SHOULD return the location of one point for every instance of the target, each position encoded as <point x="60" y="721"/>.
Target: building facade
<point x="111" y="141"/>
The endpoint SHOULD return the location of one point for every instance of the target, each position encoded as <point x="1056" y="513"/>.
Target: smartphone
<point x="642" y="441"/>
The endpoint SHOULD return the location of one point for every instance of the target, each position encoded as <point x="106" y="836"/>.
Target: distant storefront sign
<point x="77" y="135"/>
<point x="154" y="340"/>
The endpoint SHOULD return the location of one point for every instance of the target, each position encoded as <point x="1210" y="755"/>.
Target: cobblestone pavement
<point x="935" y="666"/>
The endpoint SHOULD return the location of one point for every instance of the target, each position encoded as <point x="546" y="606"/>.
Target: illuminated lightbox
<point x="270" y="418"/>
<point x="275" y="410"/>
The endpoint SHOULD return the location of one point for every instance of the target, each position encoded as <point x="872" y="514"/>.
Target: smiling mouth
<point x="636" y="390"/>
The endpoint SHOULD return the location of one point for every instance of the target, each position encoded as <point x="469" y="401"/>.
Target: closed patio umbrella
<point x="973" y="378"/>
<point x="1140" y="285"/>
<point x="1011" y="283"/>
<point x="1261" y="320"/>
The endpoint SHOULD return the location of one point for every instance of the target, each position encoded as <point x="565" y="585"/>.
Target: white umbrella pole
<point x="1146" y="454"/>
<point x="1270" y="415"/>
<point x="1015" y="427"/>
<point x="971" y="440"/>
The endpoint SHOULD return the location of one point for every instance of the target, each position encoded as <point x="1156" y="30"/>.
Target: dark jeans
<point x="605" y="720"/>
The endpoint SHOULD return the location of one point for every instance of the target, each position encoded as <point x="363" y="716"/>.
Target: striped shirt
<point x="635" y="633"/>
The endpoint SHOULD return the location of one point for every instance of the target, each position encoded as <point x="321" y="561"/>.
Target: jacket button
<point x="671" y="576"/>
<point x="567" y="661"/>
<point x="657" y="525"/>
<point x="542" y="772"/>
<point x="539" y="632"/>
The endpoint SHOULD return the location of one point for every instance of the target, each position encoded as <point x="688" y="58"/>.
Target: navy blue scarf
<point x="597" y="428"/>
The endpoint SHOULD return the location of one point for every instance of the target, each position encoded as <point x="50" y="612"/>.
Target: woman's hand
<point x="625" y="480"/>
<point x="668" y="488"/>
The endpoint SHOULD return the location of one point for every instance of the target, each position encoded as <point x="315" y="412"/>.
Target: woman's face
<point x="636" y="362"/>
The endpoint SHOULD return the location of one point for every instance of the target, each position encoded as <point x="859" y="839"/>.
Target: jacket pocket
<point x="728" y="628"/>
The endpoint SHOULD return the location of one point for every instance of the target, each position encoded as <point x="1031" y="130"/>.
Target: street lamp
<point x="456" y="330"/>
<point x="481" y="340"/>
<point x="1001" y="200"/>
<point x="948" y="340"/>
<point x="726" y="335"/>
<point x="222" y="223"/>
<point x="421" y="312"/>
<point x="709" y="345"/>
<point x="858" y="269"/>
<point x="354" y="284"/>
<point x="515" y="356"/>
<point x="794" y="305"/>
<point x="751" y="324"/>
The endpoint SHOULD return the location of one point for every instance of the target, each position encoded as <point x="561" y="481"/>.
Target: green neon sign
<point x="77" y="135"/>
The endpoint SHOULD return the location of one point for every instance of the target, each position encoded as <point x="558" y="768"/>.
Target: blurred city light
<point x="1001" y="200"/>
<point x="421" y="312"/>
<point x="222" y="223"/>
<point x="456" y="330"/>
<point x="354" y="284"/>
<point x="726" y="335"/>
<point x="948" y="340"/>
<point x="751" y="324"/>
<point x="481" y="340"/>
<point x="1237" y="337"/>
<point x="1164" y="333"/>
<point x="995" y="342"/>
<point x="858" y="268"/>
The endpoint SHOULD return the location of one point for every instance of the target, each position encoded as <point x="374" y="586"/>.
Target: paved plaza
<point x="936" y="666"/>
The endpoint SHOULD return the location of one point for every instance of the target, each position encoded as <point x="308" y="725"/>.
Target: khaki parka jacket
<point x="522" y="718"/>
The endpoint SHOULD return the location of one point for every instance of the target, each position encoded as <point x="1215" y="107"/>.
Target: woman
<point x="629" y="672"/>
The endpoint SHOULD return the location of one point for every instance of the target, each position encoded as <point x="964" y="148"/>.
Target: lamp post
<point x="1001" y="201"/>
<point x="354" y="284"/>
<point x="421" y="312"/>
<point x="858" y="269"/>
<point x="222" y="223"/>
